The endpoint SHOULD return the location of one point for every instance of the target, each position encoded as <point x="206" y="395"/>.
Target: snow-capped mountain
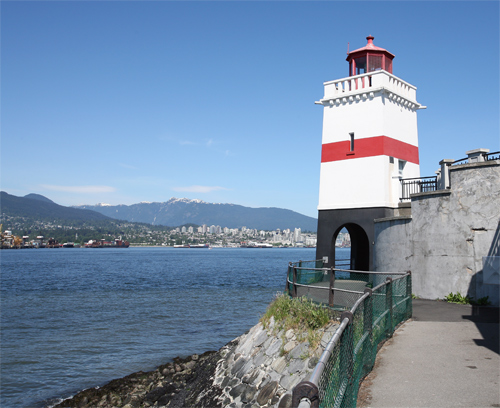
<point x="180" y="211"/>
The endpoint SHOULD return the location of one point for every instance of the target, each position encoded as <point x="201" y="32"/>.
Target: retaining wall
<point x="449" y="236"/>
<point x="260" y="368"/>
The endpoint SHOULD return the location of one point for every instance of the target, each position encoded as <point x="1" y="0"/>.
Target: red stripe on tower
<point x="369" y="147"/>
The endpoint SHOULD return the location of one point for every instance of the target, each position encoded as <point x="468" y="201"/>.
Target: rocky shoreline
<point x="175" y="384"/>
<point x="256" y="370"/>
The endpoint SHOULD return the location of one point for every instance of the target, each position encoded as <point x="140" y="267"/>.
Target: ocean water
<point x="77" y="318"/>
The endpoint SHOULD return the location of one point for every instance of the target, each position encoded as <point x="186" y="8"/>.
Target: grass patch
<point x="466" y="300"/>
<point x="299" y="314"/>
<point x="484" y="301"/>
<point x="457" y="298"/>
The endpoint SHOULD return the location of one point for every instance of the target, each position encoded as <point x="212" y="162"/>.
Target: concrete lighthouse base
<point x="360" y="225"/>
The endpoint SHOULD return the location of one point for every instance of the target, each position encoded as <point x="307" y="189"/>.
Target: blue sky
<point x="122" y="102"/>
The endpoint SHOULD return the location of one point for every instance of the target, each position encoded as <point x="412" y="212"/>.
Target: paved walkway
<point x="446" y="356"/>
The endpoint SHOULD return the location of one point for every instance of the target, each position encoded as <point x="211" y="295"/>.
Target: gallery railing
<point x="417" y="185"/>
<point x="492" y="156"/>
<point x="442" y="180"/>
<point x="351" y="352"/>
<point x="485" y="157"/>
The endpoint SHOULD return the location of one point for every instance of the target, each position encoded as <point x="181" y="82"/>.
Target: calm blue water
<point x="76" y="318"/>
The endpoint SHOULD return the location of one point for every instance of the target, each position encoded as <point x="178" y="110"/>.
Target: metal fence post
<point x="368" y="328"/>
<point x="368" y="313"/>
<point x="305" y="389"/>
<point x="388" y="306"/>
<point x="409" y="306"/>
<point x="332" y="285"/>
<point x="294" y="292"/>
<point x="287" y="285"/>
<point x="347" y="346"/>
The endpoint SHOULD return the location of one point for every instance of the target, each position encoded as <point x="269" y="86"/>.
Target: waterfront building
<point x="369" y="142"/>
<point x="310" y="240"/>
<point x="297" y="235"/>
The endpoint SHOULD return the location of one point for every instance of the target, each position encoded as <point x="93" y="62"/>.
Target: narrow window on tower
<point x="351" y="146"/>
<point x="402" y="164"/>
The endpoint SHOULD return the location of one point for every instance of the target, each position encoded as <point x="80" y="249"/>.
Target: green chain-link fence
<point x="335" y="287"/>
<point x="350" y="354"/>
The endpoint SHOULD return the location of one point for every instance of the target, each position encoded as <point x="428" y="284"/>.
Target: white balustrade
<point x="372" y="80"/>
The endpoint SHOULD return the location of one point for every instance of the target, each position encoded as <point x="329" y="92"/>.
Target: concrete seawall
<point x="263" y="368"/>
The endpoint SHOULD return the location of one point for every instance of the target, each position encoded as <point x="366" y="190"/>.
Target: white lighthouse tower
<point x="370" y="142"/>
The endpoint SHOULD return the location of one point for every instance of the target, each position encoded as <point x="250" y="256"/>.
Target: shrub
<point x="466" y="300"/>
<point x="484" y="301"/>
<point x="300" y="314"/>
<point x="458" y="298"/>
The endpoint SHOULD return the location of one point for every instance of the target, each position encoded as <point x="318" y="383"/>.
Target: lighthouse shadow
<point x="484" y="288"/>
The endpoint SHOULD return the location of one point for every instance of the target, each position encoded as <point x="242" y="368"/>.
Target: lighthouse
<point x="369" y="143"/>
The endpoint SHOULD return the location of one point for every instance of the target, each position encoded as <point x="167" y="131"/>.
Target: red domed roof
<point x="369" y="47"/>
<point x="369" y="58"/>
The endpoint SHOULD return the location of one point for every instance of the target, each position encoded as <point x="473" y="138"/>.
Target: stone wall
<point x="256" y="370"/>
<point x="450" y="233"/>
<point x="263" y="369"/>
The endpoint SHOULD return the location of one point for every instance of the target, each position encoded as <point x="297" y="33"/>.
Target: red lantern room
<point x="369" y="58"/>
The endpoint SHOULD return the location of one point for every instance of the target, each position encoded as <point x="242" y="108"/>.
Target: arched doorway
<point x="359" y="254"/>
<point x="359" y="223"/>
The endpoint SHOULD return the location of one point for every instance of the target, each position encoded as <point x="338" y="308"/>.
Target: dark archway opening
<point x="359" y="256"/>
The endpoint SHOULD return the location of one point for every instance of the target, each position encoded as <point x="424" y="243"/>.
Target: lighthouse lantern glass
<point x="360" y="64"/>
<point x="375" y="63"/>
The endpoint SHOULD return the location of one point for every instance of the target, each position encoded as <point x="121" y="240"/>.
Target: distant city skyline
<point x="124" y="102"/>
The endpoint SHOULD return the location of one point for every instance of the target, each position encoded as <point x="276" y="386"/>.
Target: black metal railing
<point x="486" y="157"/>
<point x="492" y="156"/>
<point x="465" y="160"/>
<point x="343" y="263"/>
<point x="411" y="186"/>
<point x="416" y="185"/>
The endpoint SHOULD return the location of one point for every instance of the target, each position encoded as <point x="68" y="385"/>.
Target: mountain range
<point x="172" y="213"/>
<point x="180" y="211"/>
<point x="36" y="206"/>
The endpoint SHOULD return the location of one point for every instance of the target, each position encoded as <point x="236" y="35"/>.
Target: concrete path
<point x="446" y="356"/>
